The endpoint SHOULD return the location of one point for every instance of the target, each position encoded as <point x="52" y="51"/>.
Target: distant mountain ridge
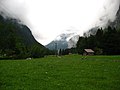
<point x="65" y="40"/>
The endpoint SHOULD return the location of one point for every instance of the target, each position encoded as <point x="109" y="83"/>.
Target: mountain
<point x="65" y="40"/>
<point x="16" y="40"/>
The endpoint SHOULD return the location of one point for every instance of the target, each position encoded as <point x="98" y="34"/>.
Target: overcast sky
<point x="49" y="18"/>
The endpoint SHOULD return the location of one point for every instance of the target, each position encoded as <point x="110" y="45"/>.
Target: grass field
<point x="71" y="72"/>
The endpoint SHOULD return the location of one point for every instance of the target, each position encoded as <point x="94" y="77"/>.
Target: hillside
<point x="16" y="39"/>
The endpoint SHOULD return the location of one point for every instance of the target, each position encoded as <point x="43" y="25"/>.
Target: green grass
<point x="71" y="72"/>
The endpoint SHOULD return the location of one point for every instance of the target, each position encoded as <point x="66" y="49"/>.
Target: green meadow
<point x="72" y="72"/>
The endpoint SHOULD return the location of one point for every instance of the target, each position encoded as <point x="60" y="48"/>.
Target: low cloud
<point x="13" y="9"/>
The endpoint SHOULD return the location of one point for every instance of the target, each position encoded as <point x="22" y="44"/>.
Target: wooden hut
<point x="88" y="52"/>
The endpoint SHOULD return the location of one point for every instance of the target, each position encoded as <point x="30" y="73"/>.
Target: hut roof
<point x="89" y="50"/>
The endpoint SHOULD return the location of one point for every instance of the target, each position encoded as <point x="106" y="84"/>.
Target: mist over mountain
<point x="46" y="17"/>
<point x="89" y="18"/>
